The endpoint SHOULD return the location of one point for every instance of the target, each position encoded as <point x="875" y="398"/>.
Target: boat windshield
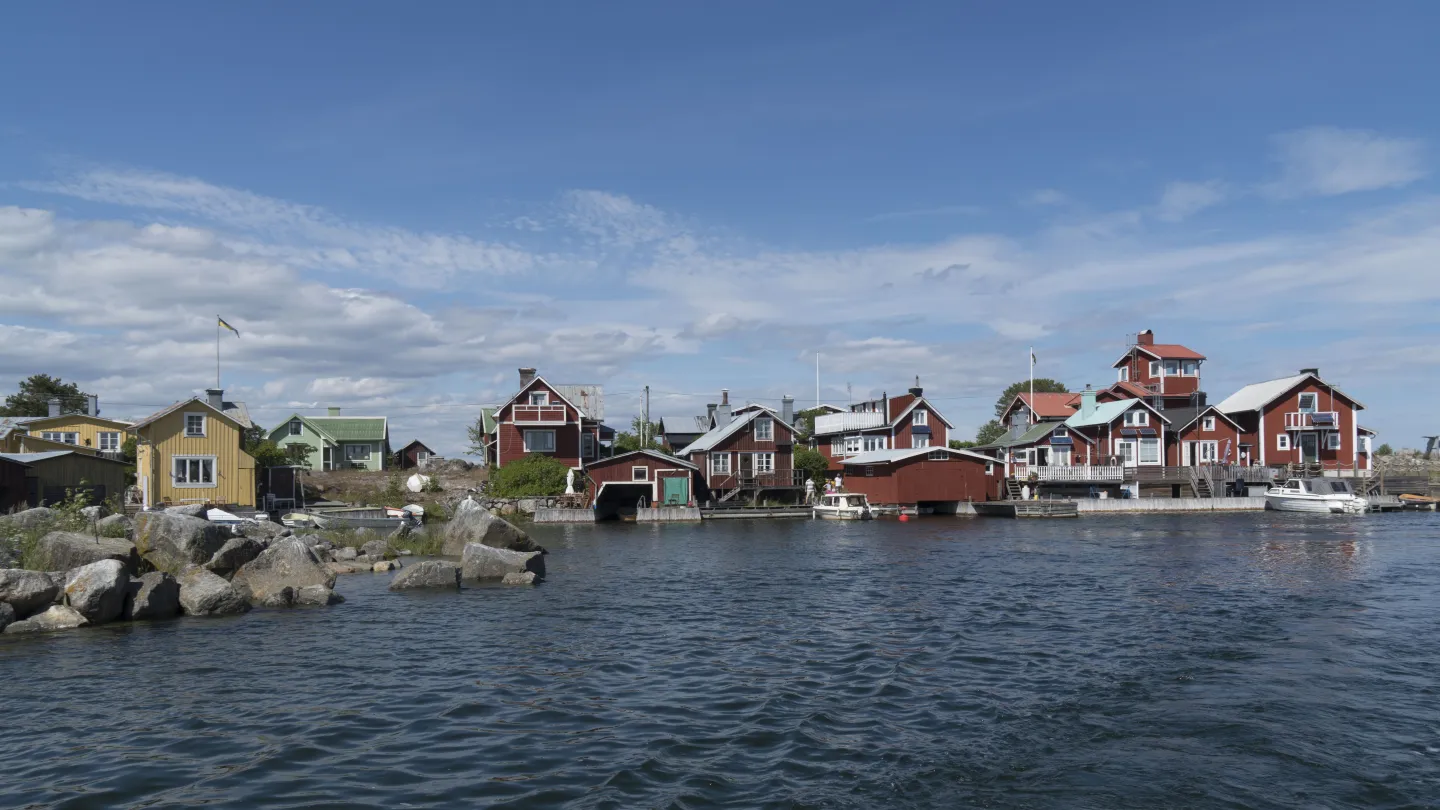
<point x="1295" y="483"/>
<point x="856" y="500"/>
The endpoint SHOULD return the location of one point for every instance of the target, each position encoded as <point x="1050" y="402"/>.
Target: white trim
<point x="1332" y="441"/>
<point x="717" y="456"/>
<point x="61" y="436"/>
<point x="644" y="473"/>
<point x="1207" y="424"/>
<point x="204" y="425"/>
<point x="755" y="462"/>
<point x="214" y="472"/>
<point x="525" y="439"/>
<point x="769" y="422"/>
<point x="1282" y="442"/>
<point x="100" y="438"/>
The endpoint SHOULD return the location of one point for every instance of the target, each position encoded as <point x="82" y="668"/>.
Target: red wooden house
<point x="925" y="477"/>
<point x="747" y="453"/>
<point x="1127" y="432"/>
<point x="641" y="477"/>
<point x="906" y="422"/>
<point x="561" y="421"/>
<point x="1300" y="419"/>
<point x="1200" y="436"/>
<point x="414" y="455"/>
<point x="1168" y="372"/>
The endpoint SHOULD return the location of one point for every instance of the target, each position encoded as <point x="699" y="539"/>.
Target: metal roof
<point x="1033" y="434"/>
<point x="655" y="454"/>
<point x="351" y="428"/>
<point x="1107" y="412"/>
<point x="1255" y="396"/>
<point x="889" y="456"/>
<point x="684" y="424"/>
<point x="588" y="398"/>
<point x="487" y="420"/>
<point x="25" y="458"/>
<point x="723" y="432"/>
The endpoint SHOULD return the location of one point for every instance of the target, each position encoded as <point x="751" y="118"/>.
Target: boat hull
<point x="828" y="514"/>
<point x="1323" y="506"/>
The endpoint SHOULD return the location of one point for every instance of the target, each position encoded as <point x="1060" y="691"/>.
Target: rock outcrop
<point x="286" y="563"/>
<point x="524" y="578"/>
<point x="428" y="574"/>
<point x="27" y="519"/>
<point x="155" y="595"/>
<point x="236" y="552"/>
<point x="58" y="617"/>
<point x="205" y="594"/>
<point x="378" y="549"/>
<point x="7" y="616"/>
<point x="472" y="524"/>
<point x="62" y="551"/>
<point x="344" y="554"/>
<point x="482" y="562"/>
<point x="29" y="592"/>
<point x="97" y="591"/>
<point x="261" y="529"/>
<point x="116" y="525"/>
<point x="197" y="510"/>
<point x="385" y="566"/>
<point x="172" y="541"/>
<point x="317" y="596"/>
<point x="93" y="514"/>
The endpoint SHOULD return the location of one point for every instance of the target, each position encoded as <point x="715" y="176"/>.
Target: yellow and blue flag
<point x="227" y="326"/>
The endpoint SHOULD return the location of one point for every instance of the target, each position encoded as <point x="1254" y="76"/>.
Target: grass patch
<point x="425" y="541"/>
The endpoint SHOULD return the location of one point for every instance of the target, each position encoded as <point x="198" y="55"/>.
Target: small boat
<point x="1321" y="495"/>
<point x="843" y="506"/>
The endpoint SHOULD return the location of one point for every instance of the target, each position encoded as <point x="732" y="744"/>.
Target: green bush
<point x="532" y="476"/>
<point x="813" y="464"/>
<point x="1384" y="450"/>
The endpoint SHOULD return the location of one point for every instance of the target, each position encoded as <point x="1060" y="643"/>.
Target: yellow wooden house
<point x="80" y="430"/>
<point x="190" y="453"/>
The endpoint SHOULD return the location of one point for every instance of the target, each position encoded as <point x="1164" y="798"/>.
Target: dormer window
<point x="765" y="430"/>
<point x="1061" y="433"/>
<point x="1137" y="418"/>
<point x="920" y="417"/>
<point x="1207" y="424"/>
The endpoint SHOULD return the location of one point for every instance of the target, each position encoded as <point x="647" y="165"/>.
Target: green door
<point x="677" y="491"/>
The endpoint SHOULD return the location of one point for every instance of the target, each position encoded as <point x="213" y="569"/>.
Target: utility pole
<point x="817" y="380"/>
<point x="645" y="428"/>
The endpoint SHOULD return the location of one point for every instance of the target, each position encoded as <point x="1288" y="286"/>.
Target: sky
<point x="398" y="205"/>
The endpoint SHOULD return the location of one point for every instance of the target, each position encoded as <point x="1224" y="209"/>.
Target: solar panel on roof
<point x="1129" y="432"/>
<point x="1147" y="431"/>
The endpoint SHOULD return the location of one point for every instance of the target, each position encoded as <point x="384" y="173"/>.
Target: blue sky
<point x="400" y="205"/>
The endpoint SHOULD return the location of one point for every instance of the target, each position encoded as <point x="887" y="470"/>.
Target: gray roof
<point x="684" y="424"/>
<point x="1180" y="417"/>
<point x="655" y="454"/>
<point x="723" y="432"/>
<point x="1034" y="434"/>
<point x="887" y="456"/>
<point x="588" y="398"/>
<point x="1255" y="396"/>
<point x="25" y="458"/>
<point x="238" y="412"/>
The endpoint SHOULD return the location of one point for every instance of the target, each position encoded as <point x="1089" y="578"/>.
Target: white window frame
<point x="61" y="436"/>
<point x="919" y="440"/>
<point x="1207" y="424"/>
<point x="1156" y="367"/>
<point x="1125" y="373"/>
<point x="421" y="456"/>
<point x="1060" y="456"/>
<point x="109" y="440"/>
<point x="920" y="416"/>
<point x="1314" y="402"/>
<point x="764" y="429"/>
<point x="1060" y="433"/>
<point x="587" y="445"/>
<point x="719" y="463"/>
<point x="837" y="445"/>
<point x="640" y="473"/>
<point x="1332" y="441"/>
<point x="1151" y="444"/>
<point x="1282" y="441"/>
<point x="1362" y="444"/>
<point x="202" y="461"/>
<point x="852" y="445"/>
<point x="937" y="455"/>
<point x="204" y="425"/>
<point x="1137" y="418"/>
<point x="1130" y="458"/>
<point x="872" y="443"/>
<point x="529" y="445"/>
<point x="1172" y="368"/>
<point x="763" y="462"/>
<point x="1190" y="368"/>
<point x="538" y="398"/>
<point x="352" y="452"/>
<point x="1207" y="452"/>
<point x="297" y="427"/>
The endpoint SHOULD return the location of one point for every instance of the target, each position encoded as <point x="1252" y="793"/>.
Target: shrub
<point x="528" y="477"/>
<point x="813" y="464"/>
<point x="1384" y="450"/>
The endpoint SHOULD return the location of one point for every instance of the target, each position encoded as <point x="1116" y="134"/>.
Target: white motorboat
<point x="1321" y="495"/>
<point x="843" y="506"/>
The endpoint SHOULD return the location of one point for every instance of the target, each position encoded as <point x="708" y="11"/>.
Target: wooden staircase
<point x="1012" y="490"/>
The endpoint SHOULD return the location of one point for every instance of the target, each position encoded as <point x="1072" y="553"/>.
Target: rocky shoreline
<point x="178" y="563"/>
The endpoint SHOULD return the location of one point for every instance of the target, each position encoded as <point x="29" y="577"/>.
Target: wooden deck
<point x="1027" y="509"/>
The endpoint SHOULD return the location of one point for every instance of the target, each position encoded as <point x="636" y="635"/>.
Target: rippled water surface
<point x="1167" y="661"/>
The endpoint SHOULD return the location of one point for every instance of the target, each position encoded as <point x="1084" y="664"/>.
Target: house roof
<point x="655" y="454"/>
<point x="487" y="420"/>
<point x="1162" y="351"/>
<point x="414" y="442"/>
<point x="1255" y="396"/>
<point x="914" y="403"/>
<point x="1035" y="433"/>
<point x="352" y="428"/>
<point x="1048" y="405"/>
<point x="238" y="412"/>
<point x="684" y="424"/>
<point x="31" y="422"/>
<point x="723" y="432"/>
<point x="27" y="458"/>
<point x="1133" y="389"/>
<point x="890" y="456"/>
<point x="1107" y="412"/>
<point x="185" y="403"/>
<point x="592" y="395"/>
<point x="1181" y="418"/>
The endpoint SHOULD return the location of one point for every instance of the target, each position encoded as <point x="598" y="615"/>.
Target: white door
<point x="1209" y="452"/>
<point x="1125" y="449"/>
<point x="1187" y="452"/>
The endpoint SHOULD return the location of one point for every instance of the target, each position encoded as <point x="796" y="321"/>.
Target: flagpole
<point x="217" y="351"/>
<point x="1032" y="385"/>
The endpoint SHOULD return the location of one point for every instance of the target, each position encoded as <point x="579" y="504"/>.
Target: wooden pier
<point x="1028" y="509"/>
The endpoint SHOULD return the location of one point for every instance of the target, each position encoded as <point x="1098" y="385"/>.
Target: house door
<point x="747" y="466"/>
<point x="676" y="491"/>
<point x="1309" y="447"/>
<point x="1187" y="454"/>
<point x="328" y="460"/>
<point x="1125" y="449"/>
<point x="1042" y="457"/>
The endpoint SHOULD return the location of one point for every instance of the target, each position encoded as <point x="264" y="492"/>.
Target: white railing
<point x="539" y="414"/>
<point x="842" y="422"/>
<point x="1303" y="420"/>
<point x="1082" y="472"/>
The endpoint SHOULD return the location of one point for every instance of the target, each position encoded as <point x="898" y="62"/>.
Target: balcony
<point x="846" y="422"/>
<point x="1079" y="474"/>
<point x="1312" y="420"/>
<point x="539" y="415"/>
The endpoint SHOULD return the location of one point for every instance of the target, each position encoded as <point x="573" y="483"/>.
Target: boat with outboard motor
<point x="843" y="506"/>
<point x="1317" y="495"/>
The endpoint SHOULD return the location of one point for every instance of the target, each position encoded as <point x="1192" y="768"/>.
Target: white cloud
<point x="1181" y="200"/>
<point x="1046" y="196"/>
<point x="615" y="219"/>
<point x="1326" y="161"/>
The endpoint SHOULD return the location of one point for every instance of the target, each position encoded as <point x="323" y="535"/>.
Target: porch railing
<point x="1307" y="420"/>
<point x="539" y="414"/>
<point x="1080" y="473"/>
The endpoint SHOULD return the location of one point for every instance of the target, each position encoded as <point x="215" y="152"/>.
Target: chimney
<point x="787" y="409"/>
<point x="92" y="405"/>
<point x="54" y="407"/>
<point x="1087" y="401"/>
<point x="1314" y="371"/>
<point x="917" y="391"/>
<point x="527" y="375"/>
<point x="334" y="410"/>
<point x="710" y="412"/>
<point x="1145" y="338"/>
<point x="216" y="398"/>
<point x="724" y="414"/>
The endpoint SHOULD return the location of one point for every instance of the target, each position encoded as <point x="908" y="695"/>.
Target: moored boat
<point x="1317" y="495"/>
<point x="843" y="506"/>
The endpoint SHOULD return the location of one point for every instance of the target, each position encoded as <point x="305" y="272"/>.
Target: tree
<point x="989" y="432"/>
<point x="251" y="437"/>
<point x="813" y="463"/>
<point x="1384" y="450"/>
<point x="805" y="424"/>
<point x="1043" y="385"/>
<point x="36" y="391"/>
<point x="299" y="453"/>
<point x="531" y="476"/>
<point x="961" y="444"/>
<point x="626" y="442"/>
<point x="476" y="434"/>
<point x="269" y="454"/>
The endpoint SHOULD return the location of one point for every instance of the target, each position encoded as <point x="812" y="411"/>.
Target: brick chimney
<point x="724" y="414"/>
<point x="54" y="407"/>
<point x="527" y="376"/>
<point x="1145" y="338"/>
<point x="787" y="409"/>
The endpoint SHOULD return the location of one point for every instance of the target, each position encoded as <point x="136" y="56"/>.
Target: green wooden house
<point x="339" y="442"/>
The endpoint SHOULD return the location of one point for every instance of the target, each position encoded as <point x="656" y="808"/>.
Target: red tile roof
<point x="1052" y="405"/>
<point x="1134" y="390"/>
<point x="1172" y="351"/>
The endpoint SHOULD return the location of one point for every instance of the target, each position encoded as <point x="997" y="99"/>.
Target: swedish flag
<point x="227" y="326"/>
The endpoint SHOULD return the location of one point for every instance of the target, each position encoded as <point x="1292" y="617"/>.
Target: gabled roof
<point x="684" y="424"/>
<point x="1161" y="351"/>
<point x="1035" y="433"/>
<point x="27" y="458"/>
<point x="1255" y="396"/>
<point x="1181" y="418"/>
<point x="32" y="422"/>
<point x="562" y="391"/>
<point x="238" y="412"/>
<point x="185" y="403"/>
<point x="1133" y="390"/>
<point x="1107" y="412"/>
<point x="284" y="426"/>
<point x="414" y="442"/>
<point x="1047" y="405"/>
<point x="915" y="402"/>
<point x="890" y="456"/>
<point x="487" y="420"/>
<point x="352" y="428"/>
<point x="655" y="454"/>
<point x="723" y="432"/>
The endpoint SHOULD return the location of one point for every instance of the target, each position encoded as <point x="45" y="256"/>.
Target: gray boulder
<point x="97" y="591"/>
<point x="27" y="519"/>
<point x="524" y="578"/>
<point x="116" y="526"/>
<point x="261" y="529"/>
<point x="472" y="524"/>
<point x="428" y="574"/>
<point x="196" y="510"/>
<point x="155" y="595"/>
<point x="480" y="561"/>
<point x="62" y="551"/>
<point x="205" y="594"/>
<point x="317" y="596"/>
<point x="29" y="592"/>
<point x="385" y="566"/>
<point x="279" y="598"/>
<point x="7" y="616"/>
<point x="351" y="567"/>
<point x="286" y="563"/>
<point x="171" y="541"/>
<point x="58" y="617"/>
<point x="344" y="554"/>
<point x="378" y="549"/>
<point x="94" y="513"/>
<point x="236" y="552"/>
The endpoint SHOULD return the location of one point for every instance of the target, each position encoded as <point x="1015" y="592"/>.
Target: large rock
<point x="58" y="617"/>
<point x="98" y="590"/>
<point x="378" y="549"/>
<point x="428" y="574"/>
<point x="171" y="541"/>
<point x="29" y="592"/>
<point x="197" y="510"/>
<point x="7" y="615"/>
<point x="62" y="551"/>
<point x="344" y="554"/>
<point x="472" y="524"/>
<point x="155" y="595"/>
<point x="287" y="563"/>
<point x="28" y="519"/>
<point x="317" y="596"/>
<point x="116" y="526"/>
<point x="236" y="552"/>
<point x="521" y="578"/>
<point x="479" y="561"/>
<point x="261" y="529"/>
<point x="205" y="594"/>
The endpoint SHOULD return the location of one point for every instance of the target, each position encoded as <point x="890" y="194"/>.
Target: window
<point x="109" y="442"/>
<point x="874" y="443"/>
<point x="1206" y="452"/>
<point x="587" y="445"/>
<point x="1172" y="368"/>
<point x="1060" y="457"/>
<point x="990" y="468"/>
<point x="852" y="445"/>
<point x="194" y="424"/>
<point x="837" y="446"/>
<point x="639" y="473"/>
<point x="764" y="462"/>
<point x="919" y="441"/>
<point x="1061" y="433"/>
<point x="1124" y="374"/>
<point x="765" y="429"/>
<point x="937" y="455"/>
<point x="1154" y="368"/>
<point x="539" y="441"/>
<point x="539" y="398"/>
<point x="1192" y="368"/>
<point x="193" y="471"/>
<point x="1332" y="441"/>
<point x="357" y="452"/>
<point x="1207" y="424"/>
<point x="63" y="438"/>
<point x="720" y="463"/>
<point x="920" y="417"/>
<point x="1149" y="451"/>
<point x="1307" y="403"/>
<point x="1363" y="444"/>
<point x="1137" y="418"/>
<point x="421" y="457"/>
<point x="1126" y="451"/>
<point x="1282" y="442"/>
<point x="296" y="427"/>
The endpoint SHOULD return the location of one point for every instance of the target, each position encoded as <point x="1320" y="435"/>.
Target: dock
<point x="751" y="512"/>
<point x="1028" y="509"/>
